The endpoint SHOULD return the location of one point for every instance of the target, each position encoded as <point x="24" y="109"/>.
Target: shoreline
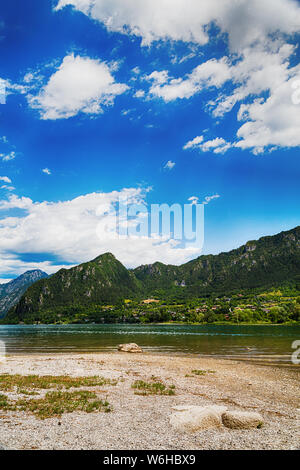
<point x="270" y="360"/>
<point x="142" y="422"/>
<point x="290" y="323"/>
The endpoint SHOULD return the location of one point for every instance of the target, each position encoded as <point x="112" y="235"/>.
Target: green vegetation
<point x="25" y="383"/>
<point x="152" y="388"/>
<point x="55" y="403"/>
<point x="256" y="283"/>
<point x="202" y="372"/>
<point x="253" y="306"/>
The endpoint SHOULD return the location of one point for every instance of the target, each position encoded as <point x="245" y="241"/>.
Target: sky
<point x="160" y="101"/>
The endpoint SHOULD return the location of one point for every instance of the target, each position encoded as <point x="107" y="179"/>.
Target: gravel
<point x="142" y="422"/>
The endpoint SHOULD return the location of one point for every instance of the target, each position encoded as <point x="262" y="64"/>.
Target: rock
<point x="242" y="419"/>
<point x="130" y="347"/>
<point x="197" y="418"/>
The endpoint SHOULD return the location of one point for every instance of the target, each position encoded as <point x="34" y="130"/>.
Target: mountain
<point x="104" y="281"/>
<point x="11" y="292"/>
<point x="260" y="263"/>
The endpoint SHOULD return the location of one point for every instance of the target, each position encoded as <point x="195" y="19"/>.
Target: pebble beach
<point x="143" y="421"/>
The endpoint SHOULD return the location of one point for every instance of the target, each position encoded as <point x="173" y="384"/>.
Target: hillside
<point x="11" y="292"/>
<point x="105" y="281"/>
<point x="269" y="260"/>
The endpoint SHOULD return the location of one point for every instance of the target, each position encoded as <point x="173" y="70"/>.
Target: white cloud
<point x="258" y="61"/>
<point x="12" y="265"/>
<point x="139" y="94"/>
<point x="259" y="64"/>
<point x="217" y="145"/>
<point x="5" y="281"/>
<point x="80" y="84"/>
<point x="212" y="73"/>
<point x="169" y="165"/>
<point x="6" y="179"/>
<point x="46" y="171"/>
<point x="7" y="156"/>
<point x="78" y="230"/>
<point x="7" y="87"/>
<point x="187" y="20"/>
<point x="136" y="70"/>
<point x="8" y="188"/>
<point x="193" y="143"/>
<point x="158" y="78"/>
<point x="271" y="122"/>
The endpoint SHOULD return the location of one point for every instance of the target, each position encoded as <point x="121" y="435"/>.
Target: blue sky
<point x="101" y="95"/>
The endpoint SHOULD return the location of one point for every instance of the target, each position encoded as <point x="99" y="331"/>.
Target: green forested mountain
<point x="260" y="263"/>
<point x="105" y="281"/>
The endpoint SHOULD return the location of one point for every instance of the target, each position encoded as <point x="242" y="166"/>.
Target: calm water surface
<point x="261" y="342"/>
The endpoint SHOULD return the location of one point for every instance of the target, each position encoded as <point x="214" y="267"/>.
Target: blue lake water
<point x="262" y="342"/>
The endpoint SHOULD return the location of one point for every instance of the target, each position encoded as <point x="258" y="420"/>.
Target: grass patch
<point x="152" y="388"/>
<point x="3" y="401"/>
<point x="202" y="372"/>
<point x="54" y="404"/>
<point x="26" y="383"/>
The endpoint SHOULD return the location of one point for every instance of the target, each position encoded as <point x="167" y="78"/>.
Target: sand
<point x="142" y="422"/>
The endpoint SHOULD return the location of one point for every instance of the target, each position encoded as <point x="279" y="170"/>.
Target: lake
<point x="256" y="342"/>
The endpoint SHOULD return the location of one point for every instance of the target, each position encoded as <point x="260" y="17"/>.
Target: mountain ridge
<point x="12" y="291"/>
<point x="104" y="280"/>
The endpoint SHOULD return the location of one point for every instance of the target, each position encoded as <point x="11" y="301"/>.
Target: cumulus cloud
<point x="46" y="171"/>
<point x="80" y="84"/>
<point x="139" y="94"/>
<point x="212" y="73"/>
<point x="263" y="83"/>
<point x="193" y="143"/>
<point x="258" y="62"/>
<point x="187" y="20"/>
<point x="78" y="230"/>
<point x="217" y="145"/>
<point x="271" y="122"/>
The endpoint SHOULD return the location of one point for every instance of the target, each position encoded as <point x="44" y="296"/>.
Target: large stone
<point x="130" y="347"/>
<point x="192" y="418"/>
<point x="242" y="419"/>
